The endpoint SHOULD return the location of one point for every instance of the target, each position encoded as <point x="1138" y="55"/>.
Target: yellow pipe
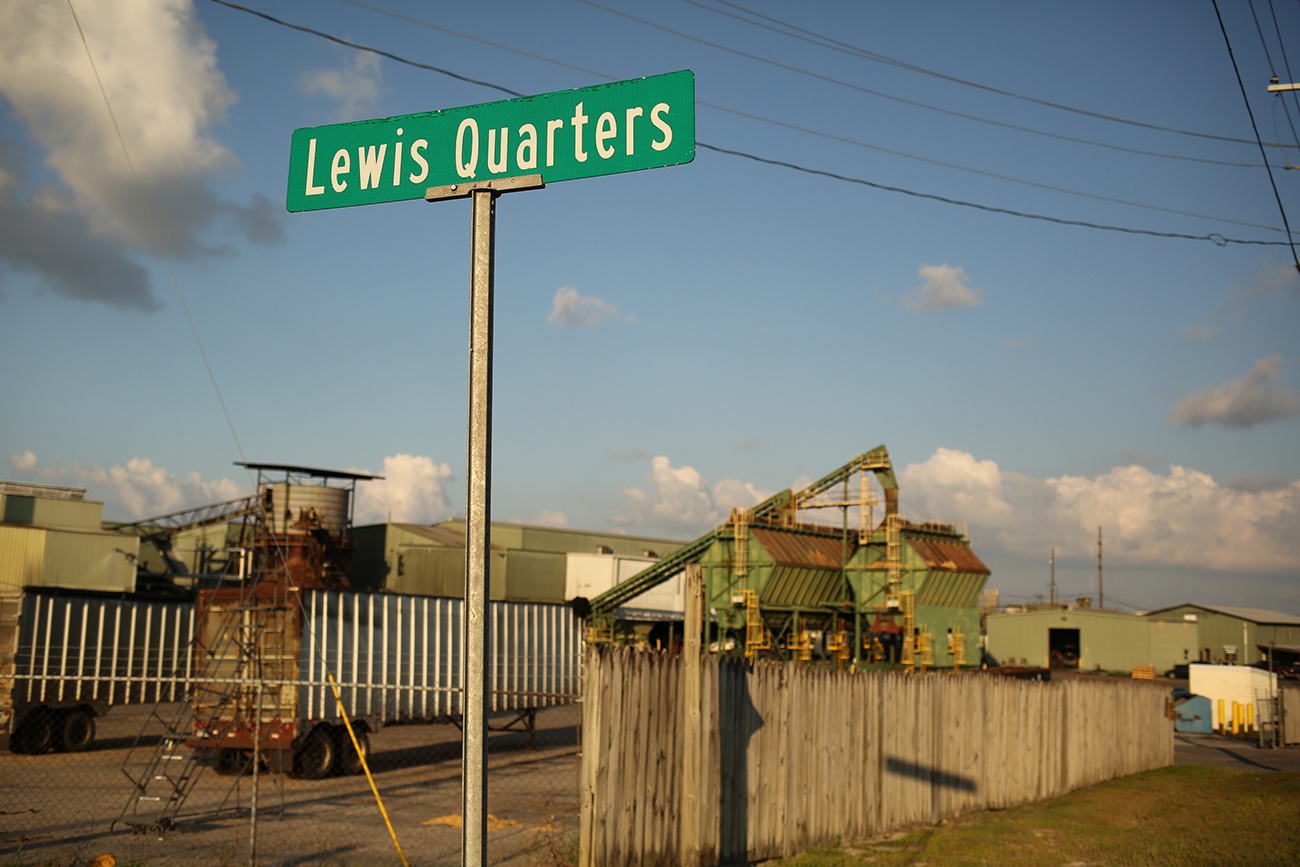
<point x="1223" y="721"/>
<point x="1236" y="717"/>
<point x="1250" y="717"/>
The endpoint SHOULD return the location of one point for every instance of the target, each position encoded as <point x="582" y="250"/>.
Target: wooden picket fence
<point x="793" y="757"/>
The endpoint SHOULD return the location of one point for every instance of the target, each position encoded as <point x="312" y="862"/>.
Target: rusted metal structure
<point x="782" y="584"/>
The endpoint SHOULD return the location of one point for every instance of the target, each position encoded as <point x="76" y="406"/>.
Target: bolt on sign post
<point x="480" y="152"/>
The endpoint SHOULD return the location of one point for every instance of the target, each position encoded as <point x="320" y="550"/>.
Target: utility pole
<point x="1101" y="588"/>
<point x="1053" y="563"/>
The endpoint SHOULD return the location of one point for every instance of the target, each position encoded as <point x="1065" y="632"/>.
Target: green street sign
<point x="625" y="126"/>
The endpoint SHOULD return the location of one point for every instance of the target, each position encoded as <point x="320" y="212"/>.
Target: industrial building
<point x="1235" y="634"/>
<point x="777" y="584"/>
<point x="54" y="537"/>
<point x="528" y="563"/>
<point x="1091" y="640"/>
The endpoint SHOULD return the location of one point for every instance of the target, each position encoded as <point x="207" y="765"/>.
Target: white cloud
<point x="944" y="289"/>
<point x="681" y="502"/>
<point x="551" y="519"/>
<point x="411" y="492"/>
<point x="142" y="487"/>
<point x="356" y="86"/>
<point x="159" y="69"/>
<point x="1179" y="518"/>
<point x="570" y="308"/>
<point x="1253" y="399"/>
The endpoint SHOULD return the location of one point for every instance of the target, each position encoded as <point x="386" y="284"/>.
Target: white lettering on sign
<point x="579" y="121"/>
<point x="369" y="167"/>
<point x="311" y="170"/>
<point x="635" y="111"/>
<point x="372" y="166"/>
<point x="494" y="165"/>
<point x="467" y="169"/>
<point x="606" y="129"/>
<point x="417" y="153"/>
<point x="397" y="163"/>
<point x="527" y="140"/>
<point x="661" y="108"/>
<point x="551" y="127"/>
<point x="341" y="166"/>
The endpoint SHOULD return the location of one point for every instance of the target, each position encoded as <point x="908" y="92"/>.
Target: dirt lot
<point x="60" y="806"/>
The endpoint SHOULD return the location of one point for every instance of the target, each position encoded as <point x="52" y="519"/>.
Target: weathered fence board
<point x="793" y="757"/>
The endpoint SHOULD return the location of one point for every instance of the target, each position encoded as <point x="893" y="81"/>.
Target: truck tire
<point x="349" y="763"/>
<point x="76" y="730"/>
<point x="35" y="734"/>
<point x="316" y="757"/>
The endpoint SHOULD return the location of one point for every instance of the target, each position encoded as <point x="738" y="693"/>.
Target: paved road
<point x="1228" y="752"/>
<point x="60" y="806"/>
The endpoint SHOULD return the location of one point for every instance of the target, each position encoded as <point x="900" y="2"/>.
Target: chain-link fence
<point x="97" y="765"/>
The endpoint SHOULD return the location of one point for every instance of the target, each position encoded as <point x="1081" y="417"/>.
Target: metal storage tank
<point x="291" y="503"/>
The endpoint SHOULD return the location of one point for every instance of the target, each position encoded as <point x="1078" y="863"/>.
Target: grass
<point x="1182" y="816"/>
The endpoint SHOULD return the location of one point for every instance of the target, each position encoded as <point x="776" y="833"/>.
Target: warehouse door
<point x="1063" y="648"/>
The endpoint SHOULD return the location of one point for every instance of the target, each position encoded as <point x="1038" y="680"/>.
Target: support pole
<point x="692" y="730"/>
<point x="478" y="511"/>
<point x="477" y="518"/>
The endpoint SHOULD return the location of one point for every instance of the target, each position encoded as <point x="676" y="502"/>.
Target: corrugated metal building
<point x="528" y="563"/>
<point x="1106" y="640"/>
<point x="51" y="537"/>
<point x="1234" y="634"/>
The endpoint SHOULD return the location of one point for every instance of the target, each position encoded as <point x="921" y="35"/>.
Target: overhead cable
<point x="1246" y="99"/>
<point x="1263" y="43"/>
<point x="1213" y="237"/>
<point x="780" y="65"/>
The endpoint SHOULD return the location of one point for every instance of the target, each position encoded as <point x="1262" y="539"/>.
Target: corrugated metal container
<point x="71" y="649"/>
<point x="398" y="657"/>
<point x="291" y="503"/>
<point x="395" y="658"/>
<point x="589" y="575"/>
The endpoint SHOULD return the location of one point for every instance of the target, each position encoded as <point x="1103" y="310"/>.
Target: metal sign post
<point x="478" y="514"/>
<point x="480" y="152"/>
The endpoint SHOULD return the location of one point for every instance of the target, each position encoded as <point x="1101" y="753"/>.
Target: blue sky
<point x="675" y="342"/>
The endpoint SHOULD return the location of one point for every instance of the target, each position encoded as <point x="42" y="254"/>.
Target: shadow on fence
<point x="793" y="757"/>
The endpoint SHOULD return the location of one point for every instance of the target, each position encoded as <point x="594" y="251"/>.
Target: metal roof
<point x="307" y="471"/>
<point x="951" y="556"/>
<point x="799" y="549"/>
<point x="1254" y="615"/>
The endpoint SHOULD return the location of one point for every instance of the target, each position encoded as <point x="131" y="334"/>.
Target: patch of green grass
<point x="1183" y="816"/>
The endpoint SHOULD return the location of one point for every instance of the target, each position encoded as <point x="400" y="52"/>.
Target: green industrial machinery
<point x="780" y="584"/>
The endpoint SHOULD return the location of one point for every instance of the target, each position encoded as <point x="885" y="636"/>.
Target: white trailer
<point x="589" y="575"/>
<point x="394" y="658"/>
<point x="67" y="657"/>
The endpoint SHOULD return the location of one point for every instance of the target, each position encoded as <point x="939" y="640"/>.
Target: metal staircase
<point x="231" y="668"/>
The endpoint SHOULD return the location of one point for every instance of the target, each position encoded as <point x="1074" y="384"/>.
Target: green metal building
<point x="1090" y="640"/>
<point x="52" y="537"/>
<point x="771" y="577"/>
<point x="527" y="563"/>
<point x="1235" y="634"/>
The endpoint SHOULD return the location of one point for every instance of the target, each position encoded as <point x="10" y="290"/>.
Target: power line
<point x="1271" y="68"/>
<point x="847" y="48"/>
<point x="423" y="23"/>
<point x="904" y="65"/>
<point x="1253" y="126"/>
<point x="1215" y="238"/>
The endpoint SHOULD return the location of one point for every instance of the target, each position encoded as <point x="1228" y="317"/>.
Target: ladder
<point x="755" y="630"/>
<point x="164" y="783"/>
<point x="907" y="601"/>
